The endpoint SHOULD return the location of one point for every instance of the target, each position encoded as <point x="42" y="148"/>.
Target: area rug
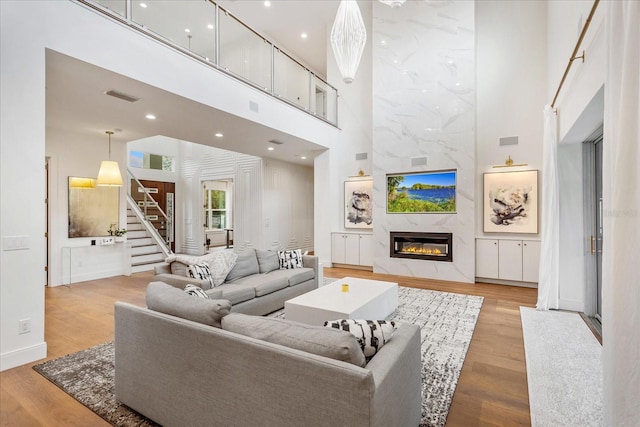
<point x="446" y="320"/>
<point x="564" y="369"/>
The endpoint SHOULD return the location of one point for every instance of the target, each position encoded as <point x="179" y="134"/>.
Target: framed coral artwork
<point x="511" y="202"/>
<point x="358" y="202"/>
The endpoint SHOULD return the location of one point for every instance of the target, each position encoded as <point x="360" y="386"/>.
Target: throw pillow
<point x="268" y="261"/>
<point x="246" y="265"/>
<point x="371" y="334"/>
<point x="195" y="291"/>
<point x="200" y="271"/>
<point x="221" y="264"/>
<point x="290" y="259"/>
<point x="325" y="342"/>
<point x="175" y="302"/>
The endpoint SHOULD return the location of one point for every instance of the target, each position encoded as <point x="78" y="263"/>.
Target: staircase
<point x="145" y="253"/>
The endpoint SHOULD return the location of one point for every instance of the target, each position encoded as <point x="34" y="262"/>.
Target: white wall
<point x="579" y="107"/>
<point x="334" y="166"/>
<point x="74" y="30"/>
<point x="511" y="55"/>
<point x="73" y="154"/>
<point x="424" y="105"/>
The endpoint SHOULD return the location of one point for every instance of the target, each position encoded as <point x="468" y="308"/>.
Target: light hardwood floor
<point x="491" y="391"/>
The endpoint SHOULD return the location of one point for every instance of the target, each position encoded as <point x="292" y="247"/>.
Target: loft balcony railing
<point x="209" y="33"/>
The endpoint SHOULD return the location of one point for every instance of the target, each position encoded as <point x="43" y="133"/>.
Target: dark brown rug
<point x="446" y="320"/>
<point x="88" y="376"/>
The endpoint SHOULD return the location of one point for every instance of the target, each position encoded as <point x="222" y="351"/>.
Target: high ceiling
<point x="76" y="100"/>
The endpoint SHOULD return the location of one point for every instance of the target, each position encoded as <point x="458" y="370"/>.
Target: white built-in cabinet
<point x="508" y="259"/>
<point x="352" y="249"/>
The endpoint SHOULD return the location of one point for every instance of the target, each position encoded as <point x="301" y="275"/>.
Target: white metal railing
<point x="141" y="209"/>
<point x="208" y="32"/>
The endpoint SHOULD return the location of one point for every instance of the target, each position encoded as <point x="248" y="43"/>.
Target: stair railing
<point x="142" y="214"/>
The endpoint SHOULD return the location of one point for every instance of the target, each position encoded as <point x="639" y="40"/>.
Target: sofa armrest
<point x="181" y="282"/>
<point x="396" y="370"/>
<point x="162" y="269"/>
<point x="311" y="261"/>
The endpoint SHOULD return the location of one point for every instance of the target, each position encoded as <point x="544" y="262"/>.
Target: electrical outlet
<point x="24" y="326"/>
<point x="107" y="241"/>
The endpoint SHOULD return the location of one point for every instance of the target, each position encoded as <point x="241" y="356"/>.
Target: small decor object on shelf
<point x="118" y="233"/>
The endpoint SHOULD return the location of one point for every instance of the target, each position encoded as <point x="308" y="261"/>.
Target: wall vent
<point x="509" y="140"/>
<point x="361" y="156"/>
<point x="253" y="106"/>
<point x="419" y="161"/>
<point x="121" y="95"/>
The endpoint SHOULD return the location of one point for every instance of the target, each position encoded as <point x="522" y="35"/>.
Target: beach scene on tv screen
<point x="422" y="192"/>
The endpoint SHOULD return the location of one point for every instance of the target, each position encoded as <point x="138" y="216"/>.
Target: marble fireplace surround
<point x="423" y="106"/>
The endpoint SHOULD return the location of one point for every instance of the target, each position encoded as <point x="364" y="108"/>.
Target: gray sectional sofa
<point x="180" y="372"/>
<point x="255" y="285"/>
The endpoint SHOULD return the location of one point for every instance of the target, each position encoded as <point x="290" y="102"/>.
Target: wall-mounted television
<point x="422" y="192"/>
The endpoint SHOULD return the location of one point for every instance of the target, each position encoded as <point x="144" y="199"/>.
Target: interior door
<point x="598" y="229"/>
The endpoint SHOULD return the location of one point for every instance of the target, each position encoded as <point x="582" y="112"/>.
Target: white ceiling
<point x="76" y="100"/>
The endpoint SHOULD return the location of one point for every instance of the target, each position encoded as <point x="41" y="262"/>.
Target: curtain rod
<point x="575" y="50"/>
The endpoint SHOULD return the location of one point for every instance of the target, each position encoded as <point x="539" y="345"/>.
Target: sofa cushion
<point x="246" y="265"/>
<point x="290" y="258"/>
<point x="237" y="293"/>
<point x="263" y="283"/>
<point x="294" y="276"/>
<point x="267" y="261"/>
<point x="371" y="334"/>
<point x="170" y="300"/>
<point x="333" y="343"/>
<point x="195" y="291"/>
<point x="201" y="272"/>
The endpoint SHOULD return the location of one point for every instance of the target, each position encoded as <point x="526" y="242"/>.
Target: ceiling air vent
<point x="273" y="141"/>
<point x="120" y="95"/>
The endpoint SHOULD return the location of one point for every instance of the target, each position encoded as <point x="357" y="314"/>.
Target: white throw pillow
<point x="200" y="271"/>
<point x="290" y="259"/>
<point x="371" y="334"/>
<point x="195" y="291"/>
<point x="220" y="263"/>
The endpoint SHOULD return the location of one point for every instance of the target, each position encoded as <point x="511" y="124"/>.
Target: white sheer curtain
<point x="549" y="252"/>
<point x="621" y="200"/>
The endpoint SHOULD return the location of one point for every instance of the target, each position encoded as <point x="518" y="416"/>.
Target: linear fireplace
<point x="426" y="246"/>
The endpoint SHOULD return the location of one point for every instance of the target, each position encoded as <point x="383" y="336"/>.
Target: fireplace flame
<point x="422" y="250"/>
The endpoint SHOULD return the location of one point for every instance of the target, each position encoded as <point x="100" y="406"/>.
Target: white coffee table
<point x="366" y="299"/>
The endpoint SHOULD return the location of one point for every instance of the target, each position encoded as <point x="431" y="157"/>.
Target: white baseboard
<point x="23" y="356"/>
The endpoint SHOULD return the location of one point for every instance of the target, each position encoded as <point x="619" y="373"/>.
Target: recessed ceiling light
<point x="143" y="5"/>
<point x="303" y="157"/>
<point x="186" y="30"/>
<point x="304" y="35"/>
<point x="210" y="26"/>
<point x="219" y="135"/>
<point x="270" y="148"/>
<point x="267" y="4"/>
<point x="150" y="117"/>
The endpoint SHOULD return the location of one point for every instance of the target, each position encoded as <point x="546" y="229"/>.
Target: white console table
<point x="82" y="263"/>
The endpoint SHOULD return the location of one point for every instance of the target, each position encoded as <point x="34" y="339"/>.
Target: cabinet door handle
<point x="518" y="244"/>
<point x="495" y="243"/>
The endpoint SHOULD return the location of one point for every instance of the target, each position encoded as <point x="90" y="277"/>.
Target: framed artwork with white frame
<point x="511" y="202"/>
<point x="358" y="202"/>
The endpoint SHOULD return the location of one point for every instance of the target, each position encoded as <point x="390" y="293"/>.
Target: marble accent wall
<point x="424" y="105"/>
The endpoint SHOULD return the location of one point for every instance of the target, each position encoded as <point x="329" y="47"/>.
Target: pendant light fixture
<point x="393" y="3"/>
<point x="109" y="175"/>
<point x="348" y="37"/>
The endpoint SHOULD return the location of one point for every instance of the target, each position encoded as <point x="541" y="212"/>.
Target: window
<point x="138" y="159"/>
<point x="217" y="205"/>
